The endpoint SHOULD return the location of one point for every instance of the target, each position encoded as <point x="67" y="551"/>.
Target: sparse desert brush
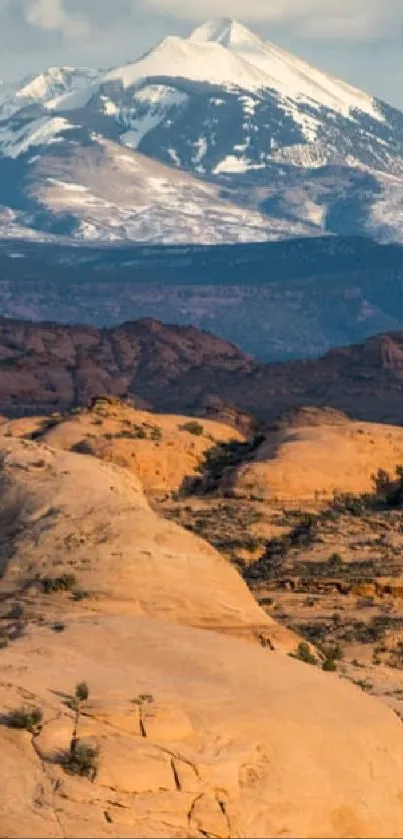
<point x="303" y="653"/>
<point x="82" y="760"/>
<point x="82" y="691"/>
<point x="66" y="582"/>
<point x="335" y="561"/>
<point x="329" y="665"/>
<point x="193" y="427"/>
<point x="25" y="718"/>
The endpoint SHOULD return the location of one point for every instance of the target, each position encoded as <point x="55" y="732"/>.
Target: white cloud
<point x="52" y="15"/>
<point x="333" y="19"/>
<point x="354" y="20"/>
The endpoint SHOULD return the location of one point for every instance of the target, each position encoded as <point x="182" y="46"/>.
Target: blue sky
<point x="358" y="40"/>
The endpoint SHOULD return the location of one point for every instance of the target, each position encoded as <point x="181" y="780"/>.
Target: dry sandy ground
<point x="238" y="741"/>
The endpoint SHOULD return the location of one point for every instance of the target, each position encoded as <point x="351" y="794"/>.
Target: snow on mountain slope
<point x="39" y="132"/>
<point x="114" y="194"/>
<point x="290" y="76"/>
<point x="177" y="57"/>
<point x="153" y="103"/>
<point x="48" y="89"/>
<point x="246" y="122"/>
<point x="55" y="82"/>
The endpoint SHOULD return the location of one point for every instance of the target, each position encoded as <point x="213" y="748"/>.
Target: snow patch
<point x="177" y="57"/>
<point x="201" y="147"/>
<point x="231" y="165"/>
<point x="43" y="131"/>
<point x="290" y="76"/>
<point x="151" y="105"/>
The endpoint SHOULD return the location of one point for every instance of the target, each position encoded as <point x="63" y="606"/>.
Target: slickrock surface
<point x="306" y="462"/>
<point x="236" y="739"/>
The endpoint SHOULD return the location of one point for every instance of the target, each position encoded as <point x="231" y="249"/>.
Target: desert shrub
<point x="156" y="433"/>
<point x="66" y="582"/>
<point x="25" y="718"/>
<point x="335" y="562"/>
<point x="303" y="653"/>
<point x="353" y="505"/>
<point x="333" y="652"/>
<point x="81" y="594"/>
<point x="388" y="490"/>
<point x="329" y="665"/>
<point x="364" y="684"/>
<point x="305" y="532"/>
<point x="82" y="760"/>
<point x="223" y="456"/>
<point x="193" y="427"/>
<point x="315" y="631"/>
<point x="82" y="691"/>
<point x="140" y="434"/>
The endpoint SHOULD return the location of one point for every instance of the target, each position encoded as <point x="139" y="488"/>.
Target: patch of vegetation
<point x="25" y="718"/>
<point x="372" y="632"/>
<point x="82" y="692"/>
<point x="329" y="665"/>
<point x="353" y="505"/>
<point x="221" y="458"/>
<point x="364" y="684"/>
<point x="47" y="425"/>
<point x="304" y="533"/>
<point x="314" y="631"/>
<point x="81" y="594"/>
<point x="143" y="702"/>
<point x="303" y="653"/>
<point x="82" y="761"/>
<point x="335" y="562"/>
<point x="82" y="758"/>
<point x="136" y="432"/>
<point x="225" y="525"/>
<point x="66" y="582"/>
<point x="192" y="427"/>
<point x="387" y="494"/>
<point x="388" y="489"/>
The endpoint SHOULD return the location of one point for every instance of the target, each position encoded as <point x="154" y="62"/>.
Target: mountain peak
<point x="227" y="32"/>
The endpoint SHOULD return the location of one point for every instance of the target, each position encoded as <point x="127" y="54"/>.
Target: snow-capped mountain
<point x="251" y="141"/>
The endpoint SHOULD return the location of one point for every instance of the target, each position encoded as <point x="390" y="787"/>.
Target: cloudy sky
<point x="359" y="40"/>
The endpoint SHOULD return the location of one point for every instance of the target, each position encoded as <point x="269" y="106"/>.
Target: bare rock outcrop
<point x="198" y="730"/>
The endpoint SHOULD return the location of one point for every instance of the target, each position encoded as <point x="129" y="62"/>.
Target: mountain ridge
<point x="180" y="369"/>
<point x="274" y="134"/>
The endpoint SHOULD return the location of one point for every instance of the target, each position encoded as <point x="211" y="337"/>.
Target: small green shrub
<point x="140" y="434"/>
<point x="81" y="594"/>
<point x="82" y="691"/>
<point x="193" y="427"/>
<point x="329" y="665"/>
<point x="334" y="652"/>
<point x="335" y="562"/>
<point x="66" y="582"/>
<point x="25" y="718"/>
<point x="82" y="760"/>
<point x="303" y="653"/>
<point x="364" y="684"/>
